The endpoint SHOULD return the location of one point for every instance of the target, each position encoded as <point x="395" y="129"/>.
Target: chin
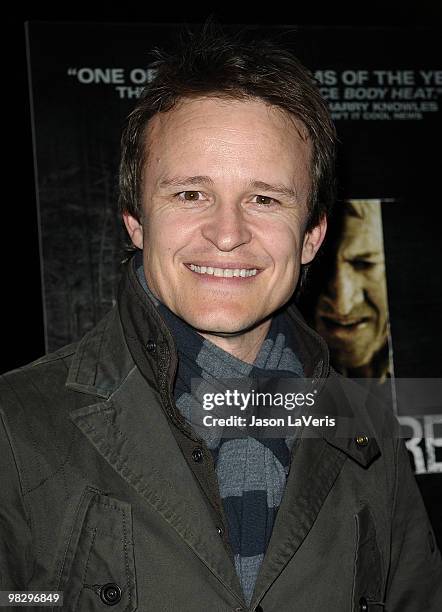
<point x="220" y="325"/>
<point x="352" y="362"/>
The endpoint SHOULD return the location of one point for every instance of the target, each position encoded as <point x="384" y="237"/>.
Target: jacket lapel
<point x="131" y="432"/>
<point x="315" y="466"/>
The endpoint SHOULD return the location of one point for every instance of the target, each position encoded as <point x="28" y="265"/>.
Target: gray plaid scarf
<point x="251" y="472"/>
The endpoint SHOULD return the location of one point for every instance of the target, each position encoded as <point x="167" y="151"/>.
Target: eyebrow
<point x="179" y="181"/>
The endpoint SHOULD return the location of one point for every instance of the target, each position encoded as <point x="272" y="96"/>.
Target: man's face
<point x="225" y="194"/>
<point x="352" y="313"/>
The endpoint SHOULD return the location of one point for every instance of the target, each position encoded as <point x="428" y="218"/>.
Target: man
<point x="352" y="309"/>
<point x="109" y="494"/>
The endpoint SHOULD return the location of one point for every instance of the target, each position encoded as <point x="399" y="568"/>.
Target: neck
<point x="243" y="346"/>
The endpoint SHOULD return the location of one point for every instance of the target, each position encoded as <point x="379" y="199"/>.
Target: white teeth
<point x="223" y="272"/>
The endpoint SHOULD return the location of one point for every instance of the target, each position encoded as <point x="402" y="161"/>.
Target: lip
<point x="224" y="280"/>
<point x="344" y="325"/>
<point x="231" y="265"/>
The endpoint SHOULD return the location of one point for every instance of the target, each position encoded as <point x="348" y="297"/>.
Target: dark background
<point x="22" y="321"/>
<point x="22" y="333"/>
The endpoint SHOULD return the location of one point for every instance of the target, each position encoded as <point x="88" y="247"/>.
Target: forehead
<point x="211" y="128"/>
<point x="362" y="229"/>
<point x="226" y="111"/>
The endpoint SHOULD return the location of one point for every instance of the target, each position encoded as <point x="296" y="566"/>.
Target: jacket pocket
<point x="368" y="580"/>
<point x="96" y="567"/>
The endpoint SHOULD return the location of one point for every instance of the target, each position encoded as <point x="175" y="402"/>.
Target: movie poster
<point x="346" y="298"/>
<point x="374" y="294"/>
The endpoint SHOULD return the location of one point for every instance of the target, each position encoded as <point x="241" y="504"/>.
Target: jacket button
<point x="197" y="455"/>
<point x="220" y="531"/>
<point x="110" y="594"/>
<point x="151" y="346"/>
<point x="363" y="605"/>
<point x="361" y="440"/>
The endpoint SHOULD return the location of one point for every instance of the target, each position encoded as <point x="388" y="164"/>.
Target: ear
<point x="134" y="229"/>
<point x="313" y="240"/>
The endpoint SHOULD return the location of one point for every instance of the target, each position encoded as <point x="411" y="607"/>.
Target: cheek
<point x="377" y="296"/>
<point x="380" y="300"/>
<point x="377" y="290"/>
<point x="283" y="243"/>
<point x="165" y="234"/>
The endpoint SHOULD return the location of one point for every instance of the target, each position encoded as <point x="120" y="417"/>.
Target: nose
<point x="345" y="290"/>
<point x="227" y="228"/>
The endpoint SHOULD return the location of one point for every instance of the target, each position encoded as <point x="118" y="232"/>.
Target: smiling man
<point x="224" y="214"/>
<point x="109" y="493"/>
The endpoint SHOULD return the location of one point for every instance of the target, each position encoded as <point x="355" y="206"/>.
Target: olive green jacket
<point x="100" y="497"/>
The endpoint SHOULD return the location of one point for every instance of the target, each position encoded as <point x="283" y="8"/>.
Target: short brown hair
<point x="211" y="62"/>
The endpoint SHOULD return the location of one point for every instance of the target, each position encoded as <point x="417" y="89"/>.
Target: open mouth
<point x="223" y="272"/>
<point x="343" y="324"/>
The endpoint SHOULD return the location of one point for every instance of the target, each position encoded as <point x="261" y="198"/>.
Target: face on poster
<point x="351" y="308"/>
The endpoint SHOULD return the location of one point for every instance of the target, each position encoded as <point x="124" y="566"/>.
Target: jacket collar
<point x="129" y="334"/>
<point x="133" y="335"/>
